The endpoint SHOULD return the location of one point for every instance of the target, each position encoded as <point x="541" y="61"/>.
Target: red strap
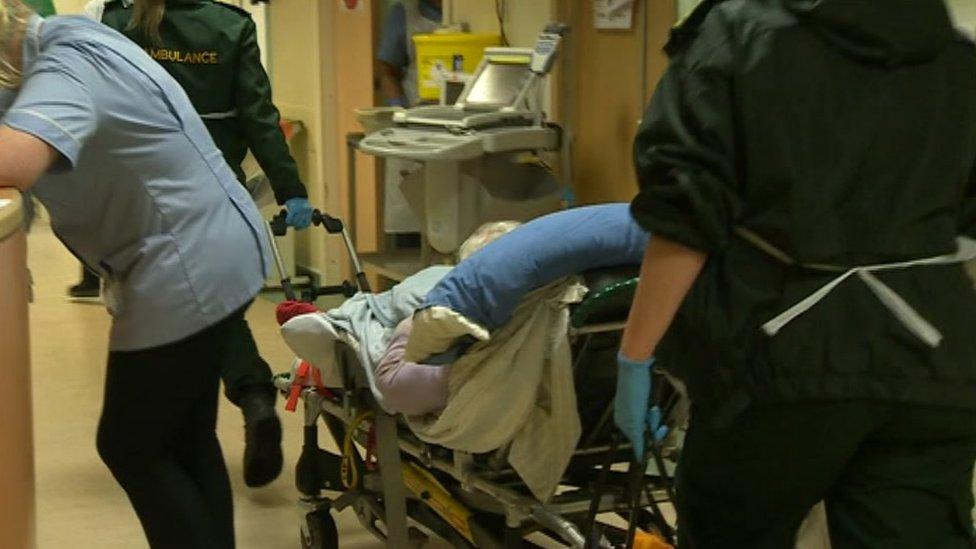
<point x="319" y="386"/>
<point x="293" y="394"/>
<point x="317" y="379"/>
<point x="300" y="381"/>
<point x="297" y="384"/>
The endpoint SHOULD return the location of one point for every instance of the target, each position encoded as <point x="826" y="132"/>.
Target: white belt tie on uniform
<point x="219" y="115"/>
<point x="905" y="313"/>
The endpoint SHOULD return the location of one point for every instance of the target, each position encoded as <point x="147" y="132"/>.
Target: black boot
<point x="88" y="288"/>
<point x="262" y="446"/>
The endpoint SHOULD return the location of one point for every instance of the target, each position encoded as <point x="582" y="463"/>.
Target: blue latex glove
<point x="397" y="102"/>
<point x="631" y="407"/>
<point x="299" y="213"/>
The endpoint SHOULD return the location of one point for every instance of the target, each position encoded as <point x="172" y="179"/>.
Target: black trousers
<point x="242" y="369"/>
<point x="157" y="436"/>
<point x="892" y="476"/>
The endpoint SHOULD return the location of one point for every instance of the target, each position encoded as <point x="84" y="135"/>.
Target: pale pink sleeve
<point x="407" y="387"/>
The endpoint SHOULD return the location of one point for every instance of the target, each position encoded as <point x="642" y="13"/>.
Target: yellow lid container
<point x="447" y="52"/>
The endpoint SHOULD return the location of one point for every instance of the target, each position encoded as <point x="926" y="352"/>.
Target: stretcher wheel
<point x="320" y="531"/>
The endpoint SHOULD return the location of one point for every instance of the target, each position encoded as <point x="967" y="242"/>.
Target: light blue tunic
<point x="140" y="194"/>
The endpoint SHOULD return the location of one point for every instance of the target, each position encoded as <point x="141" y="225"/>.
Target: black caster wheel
<point x="320" y="531"/>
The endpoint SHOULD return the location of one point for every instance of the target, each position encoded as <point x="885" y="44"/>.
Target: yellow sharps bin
<point x="447" y="52"/>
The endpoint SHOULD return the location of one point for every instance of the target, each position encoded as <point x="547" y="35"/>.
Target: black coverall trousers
<point x="893" y="476"/>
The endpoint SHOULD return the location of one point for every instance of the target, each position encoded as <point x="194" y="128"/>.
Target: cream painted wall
<point x="69" y="6"/>
<point x="319" y="51"/>
<point x="304" y="90"/>
<point x="523" y="18"/>
<point x="964" y="12"/>
<point x="685" y="7"/>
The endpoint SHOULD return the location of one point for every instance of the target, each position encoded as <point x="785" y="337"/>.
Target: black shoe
<point x="85" y="290"/>
<point x="262" y="446"/>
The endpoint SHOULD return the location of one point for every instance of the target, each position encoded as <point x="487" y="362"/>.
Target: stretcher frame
<point x="475" y="486"/>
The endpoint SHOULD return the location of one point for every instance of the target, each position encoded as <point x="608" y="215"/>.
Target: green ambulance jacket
<point x="211" y="49"/>
<point x="44" y="8"/>
<point x="843" y="133"/>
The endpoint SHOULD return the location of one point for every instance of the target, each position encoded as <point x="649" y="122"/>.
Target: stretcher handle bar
<point x="286" y="286"/>
<point x="599" y="490"/>
<point x="278" y="225"/>
<point x="346" y="289"/>
<point x="636" y="485"/>
<point x="564" y="528"/>
<point x="334" y="225"/>
<point x="361" y="279"/>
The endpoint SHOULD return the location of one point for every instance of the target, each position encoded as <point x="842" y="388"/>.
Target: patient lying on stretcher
<point x="500" y="318"/>
<point x="475" y="299"/>
<point x="408" y="388"/>
<point x="416" y="389"/>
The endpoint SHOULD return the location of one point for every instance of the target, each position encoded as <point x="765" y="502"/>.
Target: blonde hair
<point x="147" y="16"/>
<point x="483" y="236"/>
<point x="14" y="16"/>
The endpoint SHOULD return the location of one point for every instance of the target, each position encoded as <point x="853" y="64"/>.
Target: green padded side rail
<point x="609" y="303"/>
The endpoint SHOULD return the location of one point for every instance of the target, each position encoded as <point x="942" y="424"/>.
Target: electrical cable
<point x="500" y="13"/>
<point x="349" y="472"/>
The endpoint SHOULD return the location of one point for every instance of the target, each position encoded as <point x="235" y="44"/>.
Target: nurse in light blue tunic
<point x="136" y="188"/>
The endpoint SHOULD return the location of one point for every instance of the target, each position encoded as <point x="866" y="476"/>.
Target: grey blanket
<point x="370" y="319"/>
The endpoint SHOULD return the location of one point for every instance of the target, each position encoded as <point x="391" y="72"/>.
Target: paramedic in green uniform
<point x="44" y="8"/>
<point x="808" y="171"/>
<point x="211" y="49"/>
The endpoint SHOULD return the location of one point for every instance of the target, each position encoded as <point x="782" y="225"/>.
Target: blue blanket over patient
<point x="487" y="287"/>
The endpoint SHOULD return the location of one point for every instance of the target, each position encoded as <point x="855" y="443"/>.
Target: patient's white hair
<point x="483" y="236"/>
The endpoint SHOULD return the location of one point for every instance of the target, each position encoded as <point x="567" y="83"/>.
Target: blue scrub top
<point x="394" y="47"/>
<point x="140" y="193"/>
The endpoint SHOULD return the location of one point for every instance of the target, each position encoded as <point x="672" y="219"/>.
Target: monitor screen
<point x="499" y="84"/>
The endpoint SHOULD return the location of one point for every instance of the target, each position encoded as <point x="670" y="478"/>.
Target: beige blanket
<point x="516" y="387"/>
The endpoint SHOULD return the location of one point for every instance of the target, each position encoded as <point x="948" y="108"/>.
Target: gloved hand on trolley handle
<point x="300" y="212"/>
<point x="631" y="408"/>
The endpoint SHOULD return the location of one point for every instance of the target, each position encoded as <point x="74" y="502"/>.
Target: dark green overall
<point x="843" y="133"/>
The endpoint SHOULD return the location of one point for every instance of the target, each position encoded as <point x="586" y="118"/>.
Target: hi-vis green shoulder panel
<point x="684" y="31"/>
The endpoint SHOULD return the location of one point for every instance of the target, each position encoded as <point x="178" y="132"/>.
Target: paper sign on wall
<point x="613" y="14"/>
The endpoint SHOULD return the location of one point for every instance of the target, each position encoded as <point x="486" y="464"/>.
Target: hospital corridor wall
<point x="964" y="12"/>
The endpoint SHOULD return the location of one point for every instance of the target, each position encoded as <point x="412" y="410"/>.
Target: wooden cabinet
<point x="16" y="431"/>
<point x="608" y="79"/>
